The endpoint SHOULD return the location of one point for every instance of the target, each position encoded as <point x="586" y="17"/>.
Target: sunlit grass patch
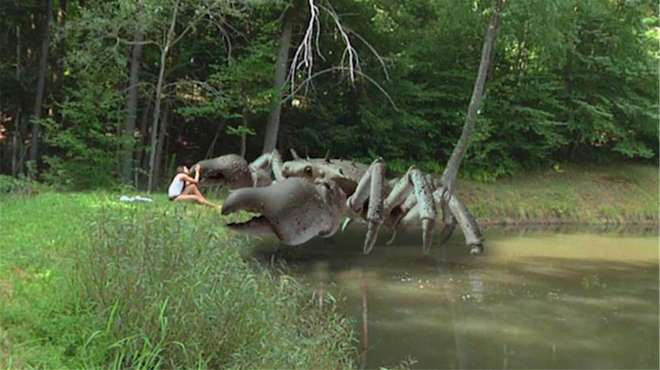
<point x="88" y="281"/>
<point x="176" y="293"/>
<point x="581" y="193"/>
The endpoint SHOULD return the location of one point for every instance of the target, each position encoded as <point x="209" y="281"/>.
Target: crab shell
<point x="294" y="209"/>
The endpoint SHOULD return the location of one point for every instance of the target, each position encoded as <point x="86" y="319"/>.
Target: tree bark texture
<point x="210" y="152"/>
<point x="281" y="67"/>
<point x="451" y="171"/>
<point x="17" y="142"/>
<point x="161" y="142"/>
<point x="159" y="96"/>
<point x="41" y="82"/>
<point x="127" y="164"/>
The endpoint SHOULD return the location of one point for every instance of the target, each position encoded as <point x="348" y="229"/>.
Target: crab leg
<point x="370" y="186"/>
<point x="276" y="165"/>
<point x="454" y="211"/>
<point x="356" y="201"/>
<point x="427" y="210"/>
<point x="375" y="210"/>
<point x="407" y="206"/>
<point x="458" y="213"/>
<point x="262" y="162"/>
<point x="414" y="183"/>
<point x="260" y="170"/>
<point x="468" y="224"/>
<point x="448" y="219"/>
<point x="262" y="167"/>
<point x="401" y="193"/>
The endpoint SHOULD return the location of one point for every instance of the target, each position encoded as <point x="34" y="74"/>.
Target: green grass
<point x="38" y="236"/>
<point x="86" y="281"/>
<point x="616" y="193"/>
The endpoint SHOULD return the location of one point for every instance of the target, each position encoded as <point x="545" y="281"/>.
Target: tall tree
<point x="451" y="171"/>
<point x="273" y="125"/>
<point x="170" y="40"/>
<point x="210" y="9"/>
<point x="18" y="149"/>
<point x="160" y="147"/>
<point x="41" y="83"/>
<point x="127" y="163"/>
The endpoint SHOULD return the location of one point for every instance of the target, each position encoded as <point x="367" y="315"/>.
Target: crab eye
<point x="308" y="170"/>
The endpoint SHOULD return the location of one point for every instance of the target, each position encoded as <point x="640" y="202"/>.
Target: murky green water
<point x="542" y="299"/>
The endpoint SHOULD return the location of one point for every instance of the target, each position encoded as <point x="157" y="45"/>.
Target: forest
<point x="97" y="93"/>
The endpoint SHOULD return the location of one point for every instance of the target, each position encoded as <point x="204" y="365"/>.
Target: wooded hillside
<point x="96" y="92"/>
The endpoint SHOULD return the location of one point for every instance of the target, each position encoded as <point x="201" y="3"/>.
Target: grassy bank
<point x="613" y="193"/>
<point x="86" y="281"/>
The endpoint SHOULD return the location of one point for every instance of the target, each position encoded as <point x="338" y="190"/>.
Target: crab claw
<point x="294" y="210"/>
<point x="230" y="170"/>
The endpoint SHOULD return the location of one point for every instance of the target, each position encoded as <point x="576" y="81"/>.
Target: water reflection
<point x="535" y="299"/>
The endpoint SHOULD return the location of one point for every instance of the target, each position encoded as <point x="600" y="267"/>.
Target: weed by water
<point x="176" y="293"/>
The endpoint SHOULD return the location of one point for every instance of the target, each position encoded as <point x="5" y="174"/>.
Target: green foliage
<point x="177" y="295"/>
<point x="239" y="91"/>
<point x="570" y="80"/>
<point x="17" y="186"/>
<point x="240" y="131"/>
<point x="86" y="139"/>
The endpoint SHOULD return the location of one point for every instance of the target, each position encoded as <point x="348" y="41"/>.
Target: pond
<point x="534" y="299"/>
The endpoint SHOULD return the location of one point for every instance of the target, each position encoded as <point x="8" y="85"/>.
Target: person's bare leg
<point x="201" y="199"/>
<point x="192" y="193"/>
<point x="195" y="198"/>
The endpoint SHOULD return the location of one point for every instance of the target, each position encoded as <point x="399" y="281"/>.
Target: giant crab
<point x="310" y="197"/>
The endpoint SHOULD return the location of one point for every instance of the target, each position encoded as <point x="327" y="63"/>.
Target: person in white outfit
<point x="184" y="187"/>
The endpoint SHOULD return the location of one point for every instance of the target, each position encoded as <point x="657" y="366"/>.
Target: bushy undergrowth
<point x="176" y="293"/>
<point x="17" y="186"/>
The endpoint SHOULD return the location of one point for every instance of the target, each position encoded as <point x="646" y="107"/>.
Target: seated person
<point x="184" y="187"/>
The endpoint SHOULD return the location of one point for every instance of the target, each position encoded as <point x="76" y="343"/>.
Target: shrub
<point x="84" y="139"/>
<point x="17" y="186"/>
<point x="176" y="293"/>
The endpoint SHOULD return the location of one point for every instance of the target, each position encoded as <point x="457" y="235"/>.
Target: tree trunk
<point x="61" y="19"/>
<point x="61" y="50"/>
<point x="41" y="83"/>
<point x="273" y="125"/>
<point x="14" y="150"/>
<point x="454" y="163"/>
<point x="159" y="95"/>
<point x="244" y="136"/>
<point x="211" y="150"/>
<point x="144" y="134"/>
<point x="128" y="150"/>
<point x="161" y="143"/>
<point x="17" y="141"/>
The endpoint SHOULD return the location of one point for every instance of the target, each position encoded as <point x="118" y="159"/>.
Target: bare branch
<point x="353" y="58"/>
<point x="375" y="53"/>
<point x="201" y="84"/>
<point x="303" y="58"/>
<point x="133" y="43"/>
<point x="309" y="79"/>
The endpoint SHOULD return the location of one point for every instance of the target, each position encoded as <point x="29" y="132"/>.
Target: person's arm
<point x="189" y="179"/>
<point x="198" y="170"/>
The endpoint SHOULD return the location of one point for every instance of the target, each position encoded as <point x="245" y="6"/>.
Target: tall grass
<point x="176" y="293"/>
